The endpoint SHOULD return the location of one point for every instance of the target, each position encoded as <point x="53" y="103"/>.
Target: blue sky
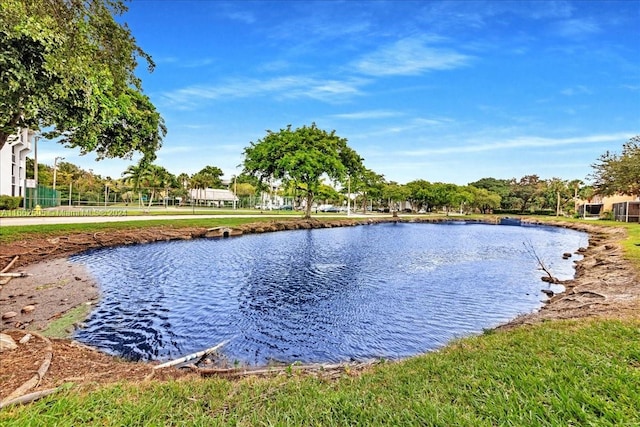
<point x="449" y="91"/>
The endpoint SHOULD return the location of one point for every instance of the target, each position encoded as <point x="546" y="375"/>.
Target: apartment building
<point x="13" y="159"/>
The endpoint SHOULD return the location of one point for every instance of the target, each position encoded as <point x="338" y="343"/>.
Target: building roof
<point x="212" y="194"/>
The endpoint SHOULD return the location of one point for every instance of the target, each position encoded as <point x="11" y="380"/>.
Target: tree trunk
<point x="307" y="213"/>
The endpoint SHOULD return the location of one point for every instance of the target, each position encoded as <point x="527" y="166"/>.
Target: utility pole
<point x="235" y="191"/>
<point x="35" y="169"/>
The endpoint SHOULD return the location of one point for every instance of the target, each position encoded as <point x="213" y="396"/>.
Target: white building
<point x="13" y="163"/>
<point x="211" y="197"/>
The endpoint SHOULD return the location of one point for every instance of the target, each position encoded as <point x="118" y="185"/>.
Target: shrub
<point x="606" y="215"/>
<point x="9" y="202"/>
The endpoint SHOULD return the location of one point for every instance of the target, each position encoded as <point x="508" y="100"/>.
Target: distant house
<point x="13" y="163"/>
<point x="590" y="210"/>
<point x="623" y="207"/>
<point x="212" y="197"/>
<point x="628" y="211"/>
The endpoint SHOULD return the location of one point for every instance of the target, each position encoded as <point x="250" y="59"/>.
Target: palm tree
<point x="150" y="176"/>
<point x="156" y="178"/>
<point x="133" y="176"/>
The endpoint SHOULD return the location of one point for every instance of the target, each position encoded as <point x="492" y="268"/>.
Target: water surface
<point x="325" y="295"/>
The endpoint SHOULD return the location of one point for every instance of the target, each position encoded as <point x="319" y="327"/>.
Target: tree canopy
<point x="303" y="156"/>
<point x="68" y="67"/>
<point x="208" y="177"/>
<point x="619" y="173"/>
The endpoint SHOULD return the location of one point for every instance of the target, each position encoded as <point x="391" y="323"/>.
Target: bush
<point x="606" y="215"/>
<point x="9" y="202"/>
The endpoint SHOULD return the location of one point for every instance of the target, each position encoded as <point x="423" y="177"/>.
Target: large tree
<point x="208" y="177"/>
<point x="68" y="67"/>
<point x="501" y="187"/>
<point x="369" y="185"/>
<point x="303" y="156"/>
<point x="395" y="194"/>
<point x="444" y="195"/>
<point x="525" y="191"/>
<point x="619" y="173"/>
<point x="483" y="199"/>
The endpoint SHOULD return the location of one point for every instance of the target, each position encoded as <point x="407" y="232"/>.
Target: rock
<point x="7" y="343"/>
<point x="9" y="315"/>
<point x="25" y="339"/>
<point x="566" y="255"/>
<point x="548" y="292"/>
<point x="28" y="309"/>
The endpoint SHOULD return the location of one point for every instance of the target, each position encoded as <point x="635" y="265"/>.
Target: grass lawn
<point x="559" y="373"/>
<point x="556" y="374"/>
<point x="14" y="233"/>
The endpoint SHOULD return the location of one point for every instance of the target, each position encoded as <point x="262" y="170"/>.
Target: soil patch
<point x="606" y="285"/>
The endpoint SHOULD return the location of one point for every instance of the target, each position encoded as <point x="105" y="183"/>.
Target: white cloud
<point x="177" y="149"/>
<point x="410" y="56"/>
<point x="177" y="62"/>
<point x="573" y="28"/>
<point x="285" y="87"/>
<point x="449" y="15"/>
<point x="577" y="90"/>
<point x="632" y="88"/>
<point x="242" y="16"/>
<point x="203" y="62"/>
<point x="417" y="125"/>
<point x="366" y="115"/>
<point x="521" y="142"/>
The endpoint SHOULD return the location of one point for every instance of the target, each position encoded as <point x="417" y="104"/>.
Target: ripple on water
<point x="326" y="295"/>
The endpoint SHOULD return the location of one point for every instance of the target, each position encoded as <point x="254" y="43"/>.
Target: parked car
<point x="328" y="208"/>
<point x="286" y="208"/>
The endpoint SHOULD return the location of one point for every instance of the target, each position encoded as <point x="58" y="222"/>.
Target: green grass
<point x="631" y="244"/>
<point x="16" y="233"/>
<point x="62" y="327"/>
<point x="556" y="373"/>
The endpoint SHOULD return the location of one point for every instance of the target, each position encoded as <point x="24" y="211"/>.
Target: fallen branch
<point x="531" y="250"/>
<point x="242" y="372"/>
<point x="28" y="398"/>
<point x="192" y="356"/>
<point x="8" y="267"/>
<point x="37" y="377"/>
<point x="21" y="274"/>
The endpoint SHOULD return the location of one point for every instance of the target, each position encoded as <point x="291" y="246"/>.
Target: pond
<point x="324" y="295"/>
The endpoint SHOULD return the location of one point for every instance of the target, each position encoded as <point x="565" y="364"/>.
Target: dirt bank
<point x="605" y="285"/>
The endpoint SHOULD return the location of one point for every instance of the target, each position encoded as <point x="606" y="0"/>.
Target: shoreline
<point x="604" y="284"/>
